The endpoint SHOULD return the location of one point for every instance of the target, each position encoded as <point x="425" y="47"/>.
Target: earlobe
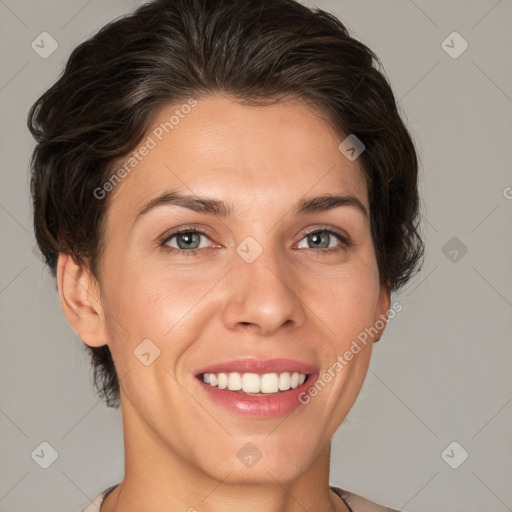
<point x="80" y="301"/>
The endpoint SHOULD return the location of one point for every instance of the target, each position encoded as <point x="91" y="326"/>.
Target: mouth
<point x="257" y="395"/>
<point x="256" y="384"/>
<point x="254" y="376"/>
<point x="257" y="388"/>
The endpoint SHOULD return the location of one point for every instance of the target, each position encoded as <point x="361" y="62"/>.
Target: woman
<point x="226" y="195"/>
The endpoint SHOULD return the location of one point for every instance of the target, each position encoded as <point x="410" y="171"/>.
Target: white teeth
<point x="284" y="381"/>
<point x="269" y="383"/>
<point x="251" y="383"/>
<point x="222" y="380"/>
<point x="255" y="383"/>
<point x="234" y="381"/>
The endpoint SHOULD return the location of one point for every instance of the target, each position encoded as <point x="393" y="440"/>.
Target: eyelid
<point x="318" y="228"/>
<point x="184" y="229"/>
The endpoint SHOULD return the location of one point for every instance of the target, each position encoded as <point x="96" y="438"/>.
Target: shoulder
<point x="95" y="504"/>
<point x="359" y="504"/>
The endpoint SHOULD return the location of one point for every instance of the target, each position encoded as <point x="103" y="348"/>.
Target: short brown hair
<point x="255" y="51"/>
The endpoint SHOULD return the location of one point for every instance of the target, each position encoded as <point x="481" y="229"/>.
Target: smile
<point x="268" y="402"/>
<point x="253" y="383"/>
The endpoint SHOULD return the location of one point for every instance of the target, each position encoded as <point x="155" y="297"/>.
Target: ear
<point x="80" y="299"/>
<point x="382" y="310"/>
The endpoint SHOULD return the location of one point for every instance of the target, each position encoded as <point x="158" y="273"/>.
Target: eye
<point x="324" y="238"/>
<point x="188" y="241"/>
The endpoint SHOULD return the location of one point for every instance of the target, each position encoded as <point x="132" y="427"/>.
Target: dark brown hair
<point x="255" y="51"/>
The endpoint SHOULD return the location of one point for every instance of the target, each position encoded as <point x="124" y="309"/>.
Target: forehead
<point x="272" y="155"/>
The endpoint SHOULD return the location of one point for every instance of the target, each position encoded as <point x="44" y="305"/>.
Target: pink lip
<point x="270" y="405"/>
<point x="259" y="366"/>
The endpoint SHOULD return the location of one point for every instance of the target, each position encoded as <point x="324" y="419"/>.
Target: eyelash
<point x="345" y="242"/>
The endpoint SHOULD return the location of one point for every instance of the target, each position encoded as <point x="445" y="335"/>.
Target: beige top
<point x="354" y="502"/>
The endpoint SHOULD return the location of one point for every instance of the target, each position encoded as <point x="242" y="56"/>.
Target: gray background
<point x="441" y="371"/>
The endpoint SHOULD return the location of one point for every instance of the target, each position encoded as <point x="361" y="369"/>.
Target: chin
<point x="261" y="471"/>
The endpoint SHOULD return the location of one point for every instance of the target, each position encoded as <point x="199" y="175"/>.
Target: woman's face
<point x="263" y="280"/>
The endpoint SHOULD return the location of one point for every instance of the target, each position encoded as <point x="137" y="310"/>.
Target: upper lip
<point x="260" y="366"/>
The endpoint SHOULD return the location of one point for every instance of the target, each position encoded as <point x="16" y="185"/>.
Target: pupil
<point x="189" y="237"/>
<point x="314" y="238"/>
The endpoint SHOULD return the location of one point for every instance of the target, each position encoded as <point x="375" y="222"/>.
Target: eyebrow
<point x="220" y="208"/>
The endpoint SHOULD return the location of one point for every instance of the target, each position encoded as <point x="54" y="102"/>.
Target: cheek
<point x="345" y="300"/>
<point x="138" y="295"/>
<point x="155" y="303"/>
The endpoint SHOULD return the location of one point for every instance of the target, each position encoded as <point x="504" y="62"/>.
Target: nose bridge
<point x="261" y="267"/>
<point x="262" y="290"/>
<point x="264" y="267"/>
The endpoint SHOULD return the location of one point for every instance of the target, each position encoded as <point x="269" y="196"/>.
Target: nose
<point x="263" y="295"/>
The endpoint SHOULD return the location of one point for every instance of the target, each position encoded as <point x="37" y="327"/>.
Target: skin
<point x="294" y="301"/>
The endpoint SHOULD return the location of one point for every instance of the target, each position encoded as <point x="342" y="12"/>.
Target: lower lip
<point x="271" y="405"/>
